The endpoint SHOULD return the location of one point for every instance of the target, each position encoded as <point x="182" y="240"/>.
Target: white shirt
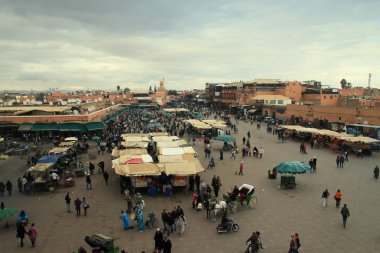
<point x="54" y="176"/>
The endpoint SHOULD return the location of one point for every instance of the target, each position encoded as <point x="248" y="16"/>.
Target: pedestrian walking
<point x="167" y="245"/>
<point x="341" y="161"/>
<point x="88" y="182"/>
<point x="33" y="234"/>
<point x="337" y="161"/>
<point x="68" y="201"/>
<point x="338" y="198"/>
<point x="197" y="180"/>
<point x="106" y="176"/>
<point x="21" y="233"/>
<point x="158" y="240"/>
<point x="181" y="224"/>
<point x="165" y="221"/>
<point x="376" y="172"/>
<point x="191" y="183"/>
<point x="221" y="155"/>
<point x="325" y="196"/>
<point x="314" y="164"/>
<point x="85" y="205"/>
<point x="78" y="204"/>
<point x="293" y="244"/>
<point x="233" y="154"/>
<point x="297" y="241"/>
<point x="140" y="219"/>
<point x="241" y="168"/>
<point x="9" y="187"/>
<point x="345" y="214"/>
<point x="346" y="154"/>
<point x="261" y="152"/>
<point x="19" y="184"/>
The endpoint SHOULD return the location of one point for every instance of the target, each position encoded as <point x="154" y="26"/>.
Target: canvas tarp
<point x="59" y="150"/>
<point x="49" y="159"/>
<point x="188" y="150"/>
<point x="170" y="151"/>
<point x="145" y="158"/>
<point x="136" y="139"/>
<point x="363" y="139"/>
<point x="134" y="144"/>
<point x="71" y="139"/>
<point x="67" y="144"/>
<point x="40" y="167"/>
<point x="158" y="134"/>
<point x="124" y="136"/>
<point x="167" y="144"/>
<point x="164" y="138"/>
<point x="145" y="169"/>
<point x="180" y="169"/>
<point x="133" y="151"/>
<point x="170" y="158"/>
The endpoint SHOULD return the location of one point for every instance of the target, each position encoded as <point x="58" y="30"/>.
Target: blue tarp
<point x="49" y="159"/>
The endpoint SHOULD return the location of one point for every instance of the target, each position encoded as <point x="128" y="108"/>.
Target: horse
<point x="217" y="206"/>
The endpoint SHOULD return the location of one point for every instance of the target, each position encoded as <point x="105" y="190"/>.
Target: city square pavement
<point x="277" y="215"/>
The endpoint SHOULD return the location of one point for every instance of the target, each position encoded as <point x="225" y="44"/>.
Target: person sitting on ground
<point x="272" y="175"/>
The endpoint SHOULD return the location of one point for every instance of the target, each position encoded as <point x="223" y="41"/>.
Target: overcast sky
<point x="76" y="44"/>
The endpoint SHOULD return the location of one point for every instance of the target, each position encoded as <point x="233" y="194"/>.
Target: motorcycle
<point x="152" y="221"/>
<point x="224" y="228"/>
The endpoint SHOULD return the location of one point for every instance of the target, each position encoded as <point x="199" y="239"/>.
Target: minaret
<point x="162" y="86"/>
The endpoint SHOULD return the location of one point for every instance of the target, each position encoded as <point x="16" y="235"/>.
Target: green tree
<point x="118" y="88"/>
<point x="155" y="88"/>
<point x="126" y="90"/>
<point x="343" y="83"/>
<point x="150" y="88"/>
<point x="172" y="92"/>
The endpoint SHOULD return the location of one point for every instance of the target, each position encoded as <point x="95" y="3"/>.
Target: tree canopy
<point x="172" y="92"/>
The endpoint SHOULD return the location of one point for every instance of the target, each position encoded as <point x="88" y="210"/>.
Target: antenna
<point x="369" y="80"/>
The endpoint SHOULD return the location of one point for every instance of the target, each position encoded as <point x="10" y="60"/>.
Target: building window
<point x="280" y="102"/>
<point x="324" y="97"/>
<point x="273" y="102"/>
<point x="340" y="118"/>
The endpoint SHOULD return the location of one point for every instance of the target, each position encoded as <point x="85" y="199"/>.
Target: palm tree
<point x="118" y="88"/>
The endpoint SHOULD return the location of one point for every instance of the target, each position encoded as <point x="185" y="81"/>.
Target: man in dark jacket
<point x="345" y="214"/>
<point x="68" y="201"/>
<point x="165" y="221"/>
<point x="197" y="182"/>
<point x="158" y="240"/>
<point x="21" y="233"/>
<point x="106" y="176"/>
<point x="167" y="245"/>
<point x="191" y="183"/>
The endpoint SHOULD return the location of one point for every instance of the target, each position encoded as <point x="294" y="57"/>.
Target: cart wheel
<point x="235" y="227"/>
<point x="253" y="202"/>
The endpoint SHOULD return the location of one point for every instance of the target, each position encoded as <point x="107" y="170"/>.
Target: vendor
<point x="272" y="175"/>
<point x="54" y="178"/>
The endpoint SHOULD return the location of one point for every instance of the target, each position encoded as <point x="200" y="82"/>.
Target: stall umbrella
<point x="289" y="182"/>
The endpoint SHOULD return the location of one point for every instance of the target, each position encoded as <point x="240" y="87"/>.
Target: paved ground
<point x="277" y="214"/>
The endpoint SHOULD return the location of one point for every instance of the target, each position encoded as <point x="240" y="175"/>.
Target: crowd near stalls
<point x="339" y="142"/>
<point x="52" y="169"/>
<point x="155" y="162"/>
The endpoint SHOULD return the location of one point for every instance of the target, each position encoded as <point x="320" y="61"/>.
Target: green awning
<point x="6" y="125"/>
<point x="25" y="127"/>
<point x="45" y="127"/>
<point x="93" y="126"/>
<point x="76" y="127"/>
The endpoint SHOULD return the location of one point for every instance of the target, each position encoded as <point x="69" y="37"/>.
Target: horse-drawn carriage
<point x="244" y="197"/>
